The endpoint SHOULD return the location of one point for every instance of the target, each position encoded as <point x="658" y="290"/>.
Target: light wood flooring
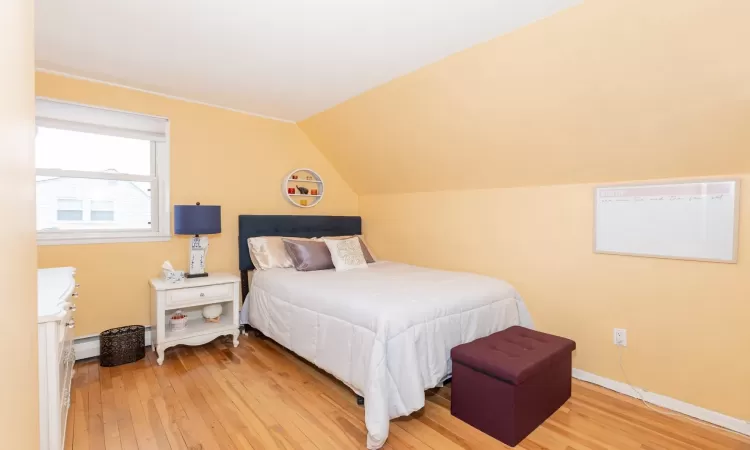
<point x="259" y="396"/>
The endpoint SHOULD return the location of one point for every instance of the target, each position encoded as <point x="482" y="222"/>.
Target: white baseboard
<point x="706" y="415"/>
<point x="88" y="346"/>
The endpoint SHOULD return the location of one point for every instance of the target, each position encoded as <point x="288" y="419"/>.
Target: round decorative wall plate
<point x="303" y="188"/>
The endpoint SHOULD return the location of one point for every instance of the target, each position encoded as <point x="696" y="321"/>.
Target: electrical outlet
<point x="621" y="337"/>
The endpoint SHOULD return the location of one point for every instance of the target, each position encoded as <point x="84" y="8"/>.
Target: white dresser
<point x="56" y="291"/>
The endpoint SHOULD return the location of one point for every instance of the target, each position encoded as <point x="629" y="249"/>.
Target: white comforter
<point x="385" y="331"/>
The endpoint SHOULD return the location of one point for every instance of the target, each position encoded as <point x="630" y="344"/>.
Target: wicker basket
<point x="122" y="345"/>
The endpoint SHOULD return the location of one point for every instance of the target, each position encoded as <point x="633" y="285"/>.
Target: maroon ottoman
<point x="508" y="383"/>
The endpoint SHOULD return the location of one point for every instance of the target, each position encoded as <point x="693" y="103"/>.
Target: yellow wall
<point x="217" y="157"/>
<point x="609" y="90"/>
<point x="19" y="380"/>
<point x="687" y="322"/>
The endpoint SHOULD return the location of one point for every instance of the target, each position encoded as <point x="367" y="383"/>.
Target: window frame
<point x="159" y="179"/>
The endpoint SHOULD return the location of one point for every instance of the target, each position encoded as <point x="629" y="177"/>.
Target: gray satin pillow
<point x="309" y="255"/>
<point x="366" y="251"/>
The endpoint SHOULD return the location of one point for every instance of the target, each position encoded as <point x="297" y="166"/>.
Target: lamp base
<point x="198" y="250"/>
<point x="196" y="275"/>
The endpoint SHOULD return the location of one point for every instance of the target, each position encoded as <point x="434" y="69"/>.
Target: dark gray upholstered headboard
<point x="293" y="226"/>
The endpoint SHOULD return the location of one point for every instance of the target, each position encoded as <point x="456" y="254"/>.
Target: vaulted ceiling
<point x="610" y="90"/>
<point x="286" y="59"/>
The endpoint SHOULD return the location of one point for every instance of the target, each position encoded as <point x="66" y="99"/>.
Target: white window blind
<point x="71" y="116"/>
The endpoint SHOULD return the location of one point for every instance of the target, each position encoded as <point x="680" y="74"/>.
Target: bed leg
<point x="360" y="400"/>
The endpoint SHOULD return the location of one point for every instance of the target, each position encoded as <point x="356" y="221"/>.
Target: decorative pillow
<point x="346" y="253"/>
<point x="268" y="252"/>
<point x="365" y="249"/>
<point x="308" y="255"/>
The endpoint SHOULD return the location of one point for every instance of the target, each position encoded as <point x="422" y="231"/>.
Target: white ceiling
<point x="286" y="59"/>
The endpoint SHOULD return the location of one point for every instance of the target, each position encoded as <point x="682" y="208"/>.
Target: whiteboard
<point x="684" y="220"/>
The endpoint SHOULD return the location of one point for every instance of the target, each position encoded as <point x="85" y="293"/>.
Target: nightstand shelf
<point x="198" y="327"/>
<point x="190" y="296"/>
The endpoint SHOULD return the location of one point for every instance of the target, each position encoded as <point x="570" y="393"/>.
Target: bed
<point x="385" y="331"/>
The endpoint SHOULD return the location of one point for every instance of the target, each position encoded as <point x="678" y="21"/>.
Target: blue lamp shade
<point x="197" y="219"/>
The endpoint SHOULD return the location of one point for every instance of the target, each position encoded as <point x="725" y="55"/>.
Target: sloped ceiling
<point x="282" y="58"/>
<point x="611" y="90"/>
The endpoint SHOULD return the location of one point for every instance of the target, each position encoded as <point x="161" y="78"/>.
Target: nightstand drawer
<point x="187" y="296"/>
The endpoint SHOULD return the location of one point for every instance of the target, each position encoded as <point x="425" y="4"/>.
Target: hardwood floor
<point x="259" y="396"/>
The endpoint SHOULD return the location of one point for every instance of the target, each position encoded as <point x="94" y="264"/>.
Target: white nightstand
<point x="190" y="296"/>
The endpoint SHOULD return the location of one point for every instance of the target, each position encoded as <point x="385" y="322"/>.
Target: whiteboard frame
<point x="736" y="237"/>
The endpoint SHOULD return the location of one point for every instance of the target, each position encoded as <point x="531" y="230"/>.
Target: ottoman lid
<point x="514" y="354"/>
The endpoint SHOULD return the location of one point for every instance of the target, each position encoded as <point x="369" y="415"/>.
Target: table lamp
<point x="196" y="220"/>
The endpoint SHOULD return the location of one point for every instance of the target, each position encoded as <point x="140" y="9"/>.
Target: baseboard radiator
<point x="88" y="346"/>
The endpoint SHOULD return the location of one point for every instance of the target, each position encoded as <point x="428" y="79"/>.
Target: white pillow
<point x="268" y="252"/>
<point x="369" y="257"/>
<point x="346" y="254"/>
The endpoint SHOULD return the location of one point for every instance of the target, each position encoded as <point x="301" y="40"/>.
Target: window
<point x="69" y="209"/>
<point x="102" y="175"/>
<point x="103" y="210"/>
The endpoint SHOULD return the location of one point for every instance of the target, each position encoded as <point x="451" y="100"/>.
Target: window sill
<point x="83" y="239"/>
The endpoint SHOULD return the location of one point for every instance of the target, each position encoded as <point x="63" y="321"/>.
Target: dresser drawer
<point x="187" y="296"/>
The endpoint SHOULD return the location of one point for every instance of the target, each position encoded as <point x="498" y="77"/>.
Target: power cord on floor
<point x="638" y="393"/>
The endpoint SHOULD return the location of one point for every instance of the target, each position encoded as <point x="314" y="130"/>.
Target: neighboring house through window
<point x="102" y="175"/>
